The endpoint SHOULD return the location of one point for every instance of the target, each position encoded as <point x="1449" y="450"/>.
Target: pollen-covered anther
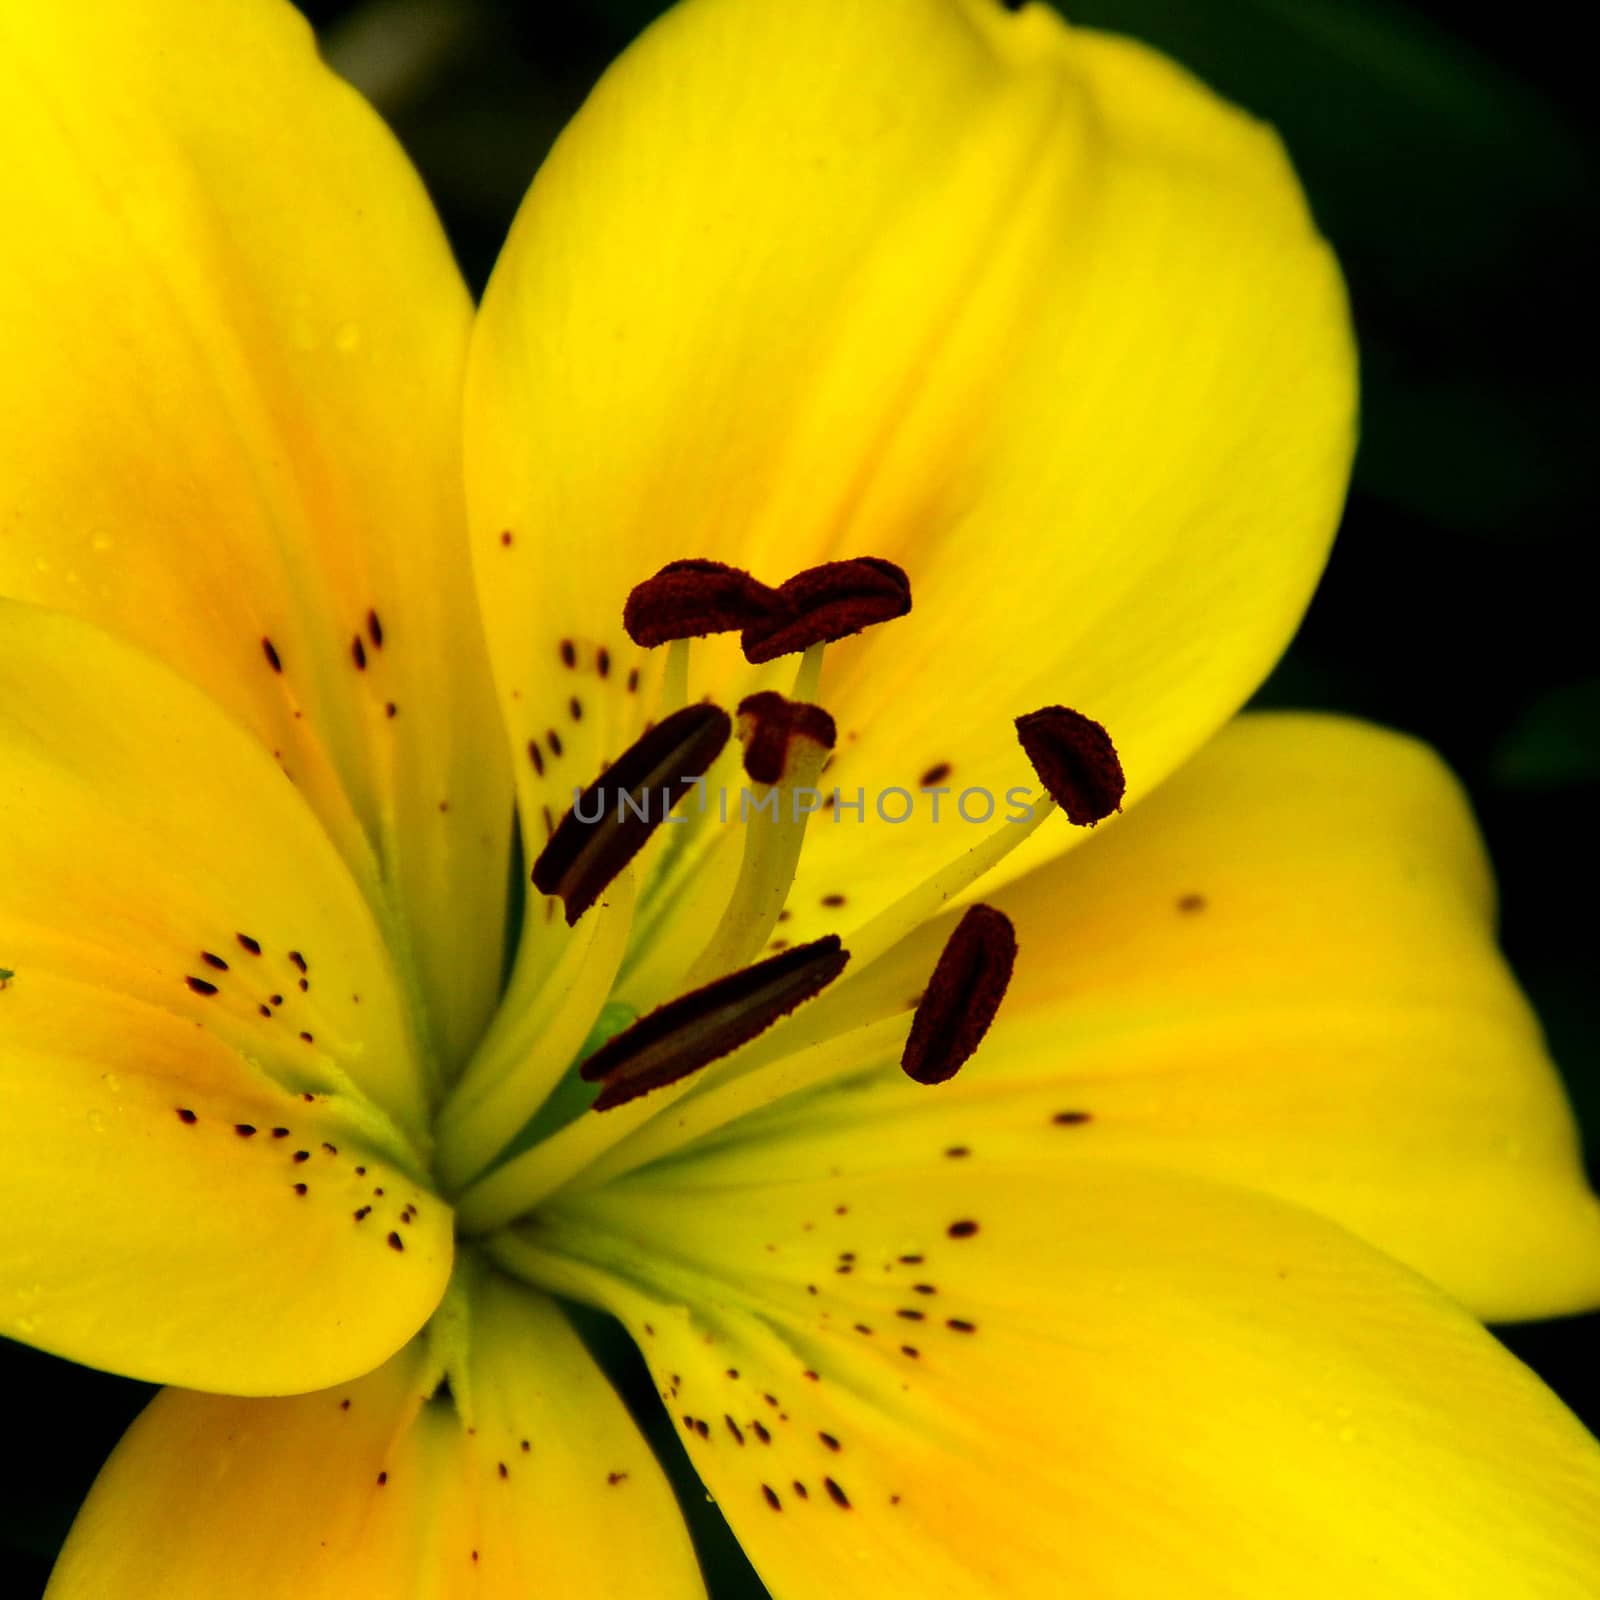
<point x="826" y="603"/>
<point x="689" y="599"/>
<point x="963" y="995"/>
<point x="615" y="816"/>
<point x="1076" y="762"/>
<point x="709" y="1023"/>
<point x="784" y="740"/>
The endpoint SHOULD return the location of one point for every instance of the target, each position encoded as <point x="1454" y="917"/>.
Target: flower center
<point x="662" y="916"/>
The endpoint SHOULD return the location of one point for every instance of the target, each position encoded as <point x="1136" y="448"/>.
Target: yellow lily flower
<point x="313" y="575"/>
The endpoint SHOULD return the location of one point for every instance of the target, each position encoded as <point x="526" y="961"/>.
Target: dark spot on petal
<point x="575" y="709"/>
<point x="200" y="986"/>
<point x="186" y="1115"/>
<point x="836" y="1494"/>
<point x="1070" y="1119"/>
<point x="213" y="961"/>
<point x="633" y="680"/>
<point x="383" y="1478"/>
<point x="772" y="1497"/>
<point x="252" y="945"/>
<point x="553" y="739"/>
<point x="911" y="1261"/>
<point x="962" y="1230"/>
<point x="569" y="653"/>
<point x="358" y="653"/>
<point x="280" y="1133"/>
<point x="300" y="1188"/>
<point x="957" y="1151"/>
<point x="960" y="1325"/>
<point x="375" y="630"/>
<point x="536" y="756"/>
<point x="614" y="1478"/>
<point x="910" y="1350"/>
<point x="506" y="538"/>
<point x="302" y="1155"/>
<point x="502" y="1469"/>
<point x="396" y="1242"/>
<point x="833" y="899"/>
<point x="734" y="1429"/>
<point x="602" y="662"/>
<point x="800" y="1489"/>
<point x="245" y="1130"/>
<point x="936" y="774"/>
<point x="829" y="1440"/>
<point x="270" y="651"/>
<point x="390" y="709"/>
<point x="1191" y="902"/>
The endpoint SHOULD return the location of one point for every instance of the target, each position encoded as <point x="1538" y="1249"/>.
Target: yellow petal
<point x="1022" y="308"/>
<point x="1047" y="1380"/>
<point x="532" y="1480"/>
<point x="234" y="339"/>
<point x="214" y="1112"/>
<point x="1280" y="971"/>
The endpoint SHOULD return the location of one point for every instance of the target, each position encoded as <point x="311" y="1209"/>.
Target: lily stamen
<point x="962" y="996"/>
<point x="786" y="743"/>
<point x="615" y="816"/>
<point x="1074" y="759"/>
<point x="711" y="1022"/>
<point x="828" y="602"/>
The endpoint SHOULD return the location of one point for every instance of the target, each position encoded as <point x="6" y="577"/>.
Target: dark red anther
<point x="1076" y="762"/>
<point x="619" y="811"/>
<point x="696" y="1029"/>
<point x="768" y="724"/>
<point x="962" y="997"/>
<point x="829" y="602"/>
<point x="689" y="599"/>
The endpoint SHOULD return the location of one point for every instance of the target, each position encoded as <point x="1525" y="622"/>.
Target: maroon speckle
<point x="300" y="1188"/>
<point x="614" y="1478"/>
<point x="344" y="1405"/>
<point x="800" y="1489"/>
<point x="910" y="1350"/>
<point x="363" y="1213"/>
<point x="633" y="680"/>
<point x="553" y="739"/>
<point x="265" y="1011"/>
<point x="358" y="653"/>
<point x="936" y="774"/>
<point x="836" y="1494"/>
<point x="962" y="1230"/>
<point x="575" y="709"/>
<point x="298" y="959"/>
<point x="213" y="961"/>
<point x="503" y="1469"/>
<point x="569" y="653"/>
<point x="506" y="538"/>
<point x="390" y="709"/>
<point x="375" y="630"/>
<point x="602" y="662"/>
<point x="280" y="1133"/>
<point x="270" y="651"/>
<point x="309" y="1038"/>
<point x="536" y="756"/>
<point x="252" y="945"/>
<point x="396" y="1242"/>
<point x="305" y="983"/>
<point x="200" y="986"/>
<point x="244" y="1129"/>
<point x="960" y="1325"/>
<point x="734" y="1429"/>
<point x="302" y="1155"/>
<point x="383" y="1478"/>
<point x="1191" y="902"/>
<point x="186" y="1115"/>
<point x="1070" y="1119"/>
<point x="829" y="1440"/>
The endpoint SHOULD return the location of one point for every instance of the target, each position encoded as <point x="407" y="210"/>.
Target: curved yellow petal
<point x="1022" y="308"/>
<point x="234" y="341"/>
<point x="214" y="1112"/>
<point x="528" y="1479"/>
<point x="1046" y="1380"/>
<point x="1280" y="971"/>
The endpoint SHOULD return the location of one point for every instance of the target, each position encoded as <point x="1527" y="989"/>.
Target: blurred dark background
<point x="1448" y="157"/>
